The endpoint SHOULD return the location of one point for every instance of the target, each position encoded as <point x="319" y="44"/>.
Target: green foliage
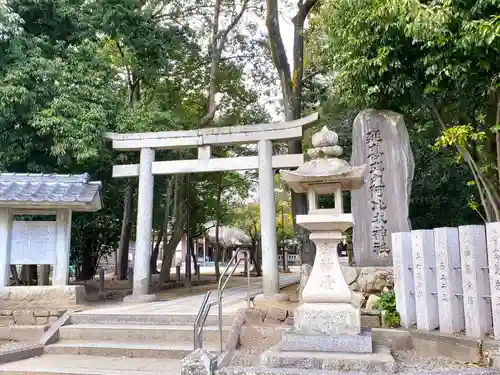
<point x="247" y="218"/>
<point x="70" y="71"/>
<point x="387" y="304"/>
<point x="461" y="136"/>
<point x="435" y="62"/>
<point x="440" y="189"/>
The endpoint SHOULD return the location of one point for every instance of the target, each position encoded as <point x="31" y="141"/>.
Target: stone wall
<point x="37" y="305"/>
<point x="29" y="316"/>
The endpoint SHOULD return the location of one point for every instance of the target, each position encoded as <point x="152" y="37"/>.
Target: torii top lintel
<point x="210" y="136"/>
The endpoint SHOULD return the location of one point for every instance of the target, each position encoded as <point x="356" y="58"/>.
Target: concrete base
<point x="141" y="298"/>
<point x="328" y="318"/>
<point x="23" y="332"/>
<point x="13" y="352"/>
<point x="304" y="342"/>
<point x="266" y="336"/>
<point x="380" y="360"/>
<point x="53" y="296"/>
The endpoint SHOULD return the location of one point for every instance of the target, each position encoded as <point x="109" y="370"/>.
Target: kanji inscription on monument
<point x="33" y="242"/>
<point x="377" y="187"/>
<point x="381" y="206"/>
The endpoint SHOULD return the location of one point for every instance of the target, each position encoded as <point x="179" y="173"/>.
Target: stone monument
<point x="327" y="334"/>
<point x="380" y="207"/>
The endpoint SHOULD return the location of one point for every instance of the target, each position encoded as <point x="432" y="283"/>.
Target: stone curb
<point x="18" y="351"/>
<point x="52" y="334"/>
<point x="234" y="338"/>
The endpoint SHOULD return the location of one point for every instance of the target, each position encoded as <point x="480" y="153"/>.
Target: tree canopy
<point x="70" y="71"/>
<point x="435" y="62"/>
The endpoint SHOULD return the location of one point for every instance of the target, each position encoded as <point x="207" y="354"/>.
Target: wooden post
<point x="101" y="280"/>
<point x="131" y="277"/>
<point x="285" y="261"/>
<point x="178" y="273"/>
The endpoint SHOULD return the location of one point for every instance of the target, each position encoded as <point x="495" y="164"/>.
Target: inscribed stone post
<point x="449" y="280"/>
<point x="424" y="275"/>
<point x="404" y="286"/>
<point x="380" y="207"/>
<point x="475" y="283"/>
<point x="493" y="236"/>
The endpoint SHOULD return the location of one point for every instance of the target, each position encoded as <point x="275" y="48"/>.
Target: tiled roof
<point x="49" y="189"/>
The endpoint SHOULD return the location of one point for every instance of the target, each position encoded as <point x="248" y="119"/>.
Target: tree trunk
<point x="487" y="191"/>
<point x="217" y="228"/>
<point x="255" y="254"/>
<point x="217" y="44"/>
<point x="154" y="255"/>
<point x="15" y="276"/>
<point x="168" y="254"/>
<point x="217" y="252"/>
<point x="28" y="273"/>
<point x="291" y="88"/>
<point x="194" y="255"/>
<point x="89" y="266"/>
<point x="164" y="232"/>
<point x="123" y="249"/>
<point x="299" y="207"/>
<point x="170" y="245"/>
<point x="497" y="136"/>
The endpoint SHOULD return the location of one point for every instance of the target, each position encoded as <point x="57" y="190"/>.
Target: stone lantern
<point x="328" y="306"/>
<point x="327" y="334"/>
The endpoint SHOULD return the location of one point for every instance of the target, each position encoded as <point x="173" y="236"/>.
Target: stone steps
<point x="51" y="364"/>
<point x="147" y="319"/>
<point x="139" y="333"/>
<point x="144" y="349"/>
<point x="133" y="336"/>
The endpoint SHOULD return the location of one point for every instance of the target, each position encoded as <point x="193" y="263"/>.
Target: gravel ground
<point x="411" y="360"/>
<point x="408" y="361"/>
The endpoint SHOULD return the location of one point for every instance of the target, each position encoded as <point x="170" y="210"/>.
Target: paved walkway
<point x="91" y="365"/>
<point x="234" y="299"/>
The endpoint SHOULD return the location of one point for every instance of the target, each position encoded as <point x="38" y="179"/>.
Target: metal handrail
<point x="198" y="318"/>
<point x="205" y="307"/>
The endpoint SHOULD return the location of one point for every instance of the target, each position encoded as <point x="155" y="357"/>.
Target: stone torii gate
<point x="203" y="139"/>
